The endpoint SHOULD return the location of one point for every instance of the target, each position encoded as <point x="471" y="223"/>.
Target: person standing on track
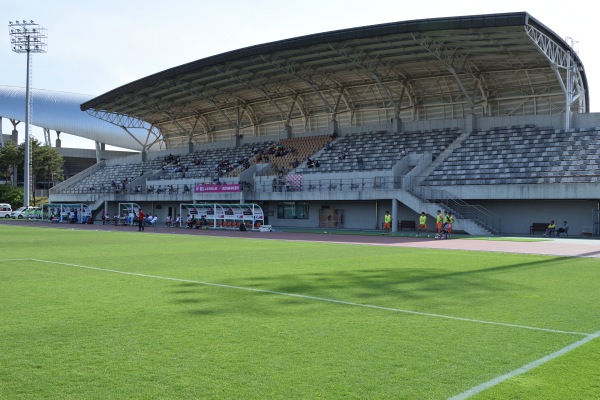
<point x="140" y="220"/>
<point x="450" y="223"/>
<point x="387" y="223"/>
<point x="422" y="224"/>
<point x="439" y="222"/>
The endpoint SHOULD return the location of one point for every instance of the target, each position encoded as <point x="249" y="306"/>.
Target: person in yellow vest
<point x="387" y="223"/>
<point x="450" y="223"/>
<point x="439" y="222"/>
<point x="422" y="224"/>
<point x="551" y="229"/>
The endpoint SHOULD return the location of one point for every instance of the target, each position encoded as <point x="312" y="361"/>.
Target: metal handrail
<point x="457" y="206"/>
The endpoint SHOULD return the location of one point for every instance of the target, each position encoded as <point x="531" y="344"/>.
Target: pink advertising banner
<point x="206" y="188"/>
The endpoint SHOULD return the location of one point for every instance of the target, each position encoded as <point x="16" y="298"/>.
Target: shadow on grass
<point x="414" y="286"/>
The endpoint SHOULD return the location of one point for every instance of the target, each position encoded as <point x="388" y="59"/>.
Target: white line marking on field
<point x="303" y="296"/>
<point x="525" y="368"/>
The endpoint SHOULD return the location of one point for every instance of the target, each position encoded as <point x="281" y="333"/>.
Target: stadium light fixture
<point x="27" y="37"/>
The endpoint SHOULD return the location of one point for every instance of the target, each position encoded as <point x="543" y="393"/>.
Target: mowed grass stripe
<point x="307" y="297"/>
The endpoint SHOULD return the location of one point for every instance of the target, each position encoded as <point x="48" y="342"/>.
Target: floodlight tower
<point x="27" y="37"/>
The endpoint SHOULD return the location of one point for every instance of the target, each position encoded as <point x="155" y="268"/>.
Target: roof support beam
<point x="132" y="136"/>
<point x="47" y="140"/>
<point x="205" y="125"/>
<point x="290" y="69"/>
<point x="570" y="79"/>
<point x="191" y="132"/>
<point x="182" y="130"/>
<point x="121" y="120"/>
<point x="252" y="83"/>
<point x="369" y="64"/>
<point x="201" y="95"/>
<point x="153" y="132"/>
<point x="289" y="116"/>
<point x="452" y="58"/>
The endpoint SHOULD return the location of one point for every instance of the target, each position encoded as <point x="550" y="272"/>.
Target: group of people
<point x="115" y="185"/>
<point x="116" y="219"/>
<point x="262" y="155"/>
<point x="145" y="220"/>
<point x="190" y="221"/>
<point x="310" y="163"/>
<point x="170" y="159"/>
<point x="552" y="230"/>
<point x="196" y="223"/>
<point x="170" y="221"/>
<point x="443" y="224"/>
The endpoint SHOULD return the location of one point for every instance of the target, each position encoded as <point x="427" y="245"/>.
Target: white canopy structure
<point x="60" y="111"/>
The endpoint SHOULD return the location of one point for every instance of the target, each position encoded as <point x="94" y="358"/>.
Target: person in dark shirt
<point x="140" y="220"/>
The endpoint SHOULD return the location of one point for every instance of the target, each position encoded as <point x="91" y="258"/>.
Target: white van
<point x="5" y="210"/>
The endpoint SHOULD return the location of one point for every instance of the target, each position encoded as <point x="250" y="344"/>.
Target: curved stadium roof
<point x="60" y="111"/>
<point x="489" y="65"/>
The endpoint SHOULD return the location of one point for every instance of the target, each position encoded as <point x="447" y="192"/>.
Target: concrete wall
<point x="586" y="120"/>
<point x="517" y="215"/>
<point x="362" y="214"/>
<point x="527" y="192"/>
<point x="541" y="121"/>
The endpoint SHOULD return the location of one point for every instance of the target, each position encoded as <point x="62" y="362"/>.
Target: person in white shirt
<point x="177" y="222"/>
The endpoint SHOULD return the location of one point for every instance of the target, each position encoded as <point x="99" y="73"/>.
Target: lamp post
<point x="27" y="37"/>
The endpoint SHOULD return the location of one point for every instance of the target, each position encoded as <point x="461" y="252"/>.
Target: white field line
<point x="462" y="396"/>
<point x="303" y="296"/>
<point x="525" y="368"/>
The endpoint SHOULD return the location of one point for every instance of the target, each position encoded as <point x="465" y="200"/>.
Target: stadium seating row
<point x="507" y="155"/>
<point x="379" y="150"/>
<point x="517" y="155"/>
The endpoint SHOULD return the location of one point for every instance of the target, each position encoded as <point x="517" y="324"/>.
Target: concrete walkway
<point x="553" y="247"/>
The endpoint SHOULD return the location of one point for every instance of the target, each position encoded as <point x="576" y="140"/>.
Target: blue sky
<point x="96" y="46"/>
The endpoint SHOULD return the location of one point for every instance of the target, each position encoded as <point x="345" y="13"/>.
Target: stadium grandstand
<point x="485" y="116"/>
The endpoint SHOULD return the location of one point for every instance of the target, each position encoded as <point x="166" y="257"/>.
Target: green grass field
<point x="123" y="315"/>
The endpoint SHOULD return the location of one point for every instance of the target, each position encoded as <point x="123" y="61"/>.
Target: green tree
<point x="11" y="156"/>
<point x="11" y="195"/>
<point x="46" y="163"/>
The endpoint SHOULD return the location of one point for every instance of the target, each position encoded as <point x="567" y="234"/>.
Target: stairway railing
<point x="457" y="206"/>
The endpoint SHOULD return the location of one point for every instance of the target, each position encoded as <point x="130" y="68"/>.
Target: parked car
<point x="25" y="212"/>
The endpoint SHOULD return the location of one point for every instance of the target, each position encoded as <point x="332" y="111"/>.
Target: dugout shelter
<point x="66" y="213"/>
<point x="225" y="215"/>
